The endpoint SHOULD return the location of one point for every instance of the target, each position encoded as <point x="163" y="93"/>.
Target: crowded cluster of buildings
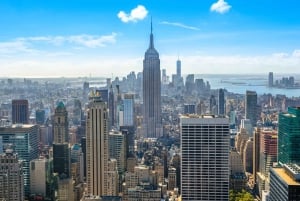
<point x="145" y="138"/>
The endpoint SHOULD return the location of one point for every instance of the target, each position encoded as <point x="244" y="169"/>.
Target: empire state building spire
<point x="152" y="92"/>
<point x="151" y="51"/>
<point x="151" y="46"/>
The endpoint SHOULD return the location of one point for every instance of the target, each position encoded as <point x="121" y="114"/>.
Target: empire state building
<point x="152" y="92"/>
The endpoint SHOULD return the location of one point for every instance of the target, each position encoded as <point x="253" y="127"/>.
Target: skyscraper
<point x="20" y="113"/>
<point x="61" y="124"/>
<point x="212" y="105"/>
<point x="205" y="158"/>
<point x="61" y="150"/>
<point x="271" y="79"/>
<point x="289" y="136"/>
<point x="251" y="106"/>
<point x="97" y="146"/>
<point x="285" y="183"/>
<point x="118" y="149"/>
<point x="40" y="177"/>
<point x="152" y="91"/>
<point x="221" y="102"/>
<point x="11" y="177"/>
<point x="178" y="68"/>
<point x="267" y="156"/>
<point x="24" y="139"/>
<point x="111" y="107"/>
<point x="128" y="113"/>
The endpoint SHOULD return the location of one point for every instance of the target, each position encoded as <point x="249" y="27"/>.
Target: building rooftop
<point x="281" y="172"/>
<point x="20" y="126"/>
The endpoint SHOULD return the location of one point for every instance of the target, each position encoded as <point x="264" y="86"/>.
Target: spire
<point x="151" y="46"/>
<point x="151" y="25"/>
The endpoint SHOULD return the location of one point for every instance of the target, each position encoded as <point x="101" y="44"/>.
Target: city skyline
<point x="82" y="38"/>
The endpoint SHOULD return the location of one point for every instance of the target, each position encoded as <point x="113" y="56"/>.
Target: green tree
<point x="240" y="196"/>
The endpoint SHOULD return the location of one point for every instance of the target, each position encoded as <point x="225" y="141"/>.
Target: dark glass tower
<point x="20" y="112"/>
<point x="221" y="104"/>
<point x="152" y="91"/>
<point x="289" y="136"/>
<point x="251" y="107"/>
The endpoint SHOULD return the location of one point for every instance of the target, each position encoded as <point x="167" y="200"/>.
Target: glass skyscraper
<point x="24" y="141"/>
<point x="289" y="136"/>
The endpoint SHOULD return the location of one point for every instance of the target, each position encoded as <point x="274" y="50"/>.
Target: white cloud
<point x="30" y="44"/>
<point x="92" y="41"/>
<point x="82" y="65"/>
<point x="280" y="55"/>
<point x="136" y="14"/>
<point x="296" y="53"/>
<point x="178" y="24"/>
<point x="85" y="40"/>
<point x="220" y="7"/>
<point x="14" y="46"/>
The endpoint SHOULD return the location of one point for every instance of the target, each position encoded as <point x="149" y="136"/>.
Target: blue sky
<point x="56" y="38"/>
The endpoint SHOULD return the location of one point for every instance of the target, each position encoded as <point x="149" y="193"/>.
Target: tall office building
<point x="24" y="141"/>
<point x="11" y="177"/>
<point x="40" y="117"/>
<point x="248" y="155"/>
<point x="285" y="183"/>
<point x="205" y="158"/>
<point x="189" y="109"/>
<point x="178" y="68"/>
<point x="40" y="177"/>
<point x="271" y="79"/>
<point x="118" y="149"/>
<point x="83" y="147"/>
<point x="267" y="156"/>
<point x="289" y="136"/>
<point x="238" y="177"/>
<point x="61" y="150"/>
<point x="128" y="113"/>
<point x="20" y="112"/>
<point x="221" y="102"/>
<point x="152" y="91"/>
<point x="97" y="146"/>
<point x="61" y="124"/>
<point x="212" y="105"/>
<point x="190" y="83"/>
<point x="111" y="107"/>
<point x="62" y="159"/>
<point x="251" y="106"/>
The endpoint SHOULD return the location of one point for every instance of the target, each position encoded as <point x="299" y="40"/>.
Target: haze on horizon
<point x="80" y="38"/>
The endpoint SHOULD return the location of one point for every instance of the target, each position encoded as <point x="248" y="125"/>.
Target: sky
<point x="108" y="38"/>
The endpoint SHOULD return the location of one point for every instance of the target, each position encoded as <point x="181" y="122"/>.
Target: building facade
<point x="20" y="112"/>
<point x="97" y="146"/>
<point x="128" y="112"/>
<point x="251" y="107"/>
<point x="61" y="124"/>
<point x="205" y="158"/>
<point x="11" y="177"/>
<point x="152" y="92"/>
<point x="285" y="183"/>
<point x="221" y="102"/>
<point x="289" y="136"/>
<point x="24" y="141"/>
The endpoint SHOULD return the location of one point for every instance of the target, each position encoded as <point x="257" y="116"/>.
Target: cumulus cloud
<point x="221" y="6"/>
<point x="178" y="24"/>
<point x="136" y="14"/>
